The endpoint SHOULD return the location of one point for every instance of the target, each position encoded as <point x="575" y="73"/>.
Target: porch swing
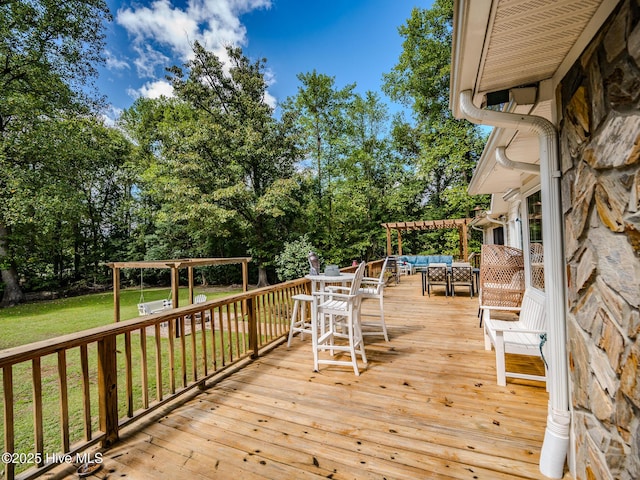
<point x="147" y="308"/>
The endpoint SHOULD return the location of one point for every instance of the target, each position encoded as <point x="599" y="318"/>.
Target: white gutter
<point x="506" y="162"/>
<point x="556" y="438"/>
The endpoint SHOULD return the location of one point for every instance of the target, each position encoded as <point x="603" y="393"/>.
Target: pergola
<point x="175" y="266"/>
<point x="459" y="223"/>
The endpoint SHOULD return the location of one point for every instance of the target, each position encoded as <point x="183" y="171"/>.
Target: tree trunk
<point x="12" y="292"/>
<point x="262" y="277"/>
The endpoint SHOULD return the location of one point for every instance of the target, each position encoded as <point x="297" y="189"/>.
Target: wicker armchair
<point x="537" y="265"/>
<point x="501" y="278"/>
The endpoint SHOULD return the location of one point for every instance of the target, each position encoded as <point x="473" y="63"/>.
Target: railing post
<point x="253" y="327"/>
<point x="9" y="433"/>
<point x="108" y="389"/>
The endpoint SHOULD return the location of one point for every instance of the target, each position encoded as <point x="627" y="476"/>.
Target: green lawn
<point x="37" y="321"/>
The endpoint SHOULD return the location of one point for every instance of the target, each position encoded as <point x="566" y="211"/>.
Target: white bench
<point x="521" y="336"/>
<point x="147" y="308"/>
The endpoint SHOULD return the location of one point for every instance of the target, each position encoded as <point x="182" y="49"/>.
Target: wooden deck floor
<point x="426" y="407"/>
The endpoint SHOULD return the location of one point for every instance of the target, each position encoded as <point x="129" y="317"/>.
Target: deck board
<point x="426" y="406"/>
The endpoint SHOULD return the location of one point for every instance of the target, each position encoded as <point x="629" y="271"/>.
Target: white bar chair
<point x="299" y="321"/>
<point x="336" y="316"/>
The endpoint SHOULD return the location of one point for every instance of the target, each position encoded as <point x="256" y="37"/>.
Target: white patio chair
<point x="522" y="336"/>
<point x="374" y="288"/>
<point x="337" y="316"/>
<point x="299" y="321"/>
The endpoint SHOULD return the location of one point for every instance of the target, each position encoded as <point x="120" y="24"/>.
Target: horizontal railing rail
<point x="63" y="395"/>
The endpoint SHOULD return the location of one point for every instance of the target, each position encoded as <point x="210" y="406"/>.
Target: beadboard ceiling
<point x="528" y="40"/>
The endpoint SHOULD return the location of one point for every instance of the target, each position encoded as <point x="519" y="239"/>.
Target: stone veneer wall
<point x="600" y="155"/>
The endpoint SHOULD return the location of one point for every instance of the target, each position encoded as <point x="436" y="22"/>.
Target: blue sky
<point x="355" y="41"/>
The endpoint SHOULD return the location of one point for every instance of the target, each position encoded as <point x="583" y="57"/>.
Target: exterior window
<point x="536" y="251"/>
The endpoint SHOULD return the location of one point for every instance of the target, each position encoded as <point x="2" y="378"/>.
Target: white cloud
<point x="214" y="23"/>
<point x="155" y="89"/>
<point x="148" y="60"/>
<point x="270" y="100"/>
<point x="162" y="34"/>
<point x="114" y="63"/>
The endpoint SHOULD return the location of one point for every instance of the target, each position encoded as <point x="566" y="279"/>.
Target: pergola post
<point x="465" y="242"/>
<point x="389" y="252"/>
<point x="175" y="286"/>
<point x="399" y="243"/>
<point x="191" y="284"/>
<point x="116" y="294"/>
<point x="245" y="276"/>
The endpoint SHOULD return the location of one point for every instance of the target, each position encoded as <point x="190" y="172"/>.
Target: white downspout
<point x="504" y="225"/>
<point x="556" y="439"/>
<point x="506" y="162"/>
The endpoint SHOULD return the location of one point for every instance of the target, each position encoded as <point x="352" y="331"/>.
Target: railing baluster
<point x="270" y="298"/>
<point x="194" y="353"/>
<point x="86" y="393"/>
<point x="233" y="324"/>
<point x="128" y="373"/>
<point x="259" y="319"/>
<point x="172" y="354"/>
<point x="245" y="324"/>
<point x="253" y="327"/>
<point x="143" y="368"/>
<point x="223" y="354"/>
<point x="38" y="435"/>
<point x="214" y="350"/>
<point x="158" y="362"/>
<point x="64" y="399"/>
<point x="203" y="342"/>
<point x="183" y="353"/>
<point x="230" y="330"/>
<point x="9" y="440"/>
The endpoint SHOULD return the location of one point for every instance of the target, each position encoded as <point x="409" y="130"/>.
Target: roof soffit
<point x="502" y="44"/>
<point x="529" y="39"/>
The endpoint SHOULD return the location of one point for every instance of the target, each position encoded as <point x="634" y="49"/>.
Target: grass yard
<point x="37" y="321"/>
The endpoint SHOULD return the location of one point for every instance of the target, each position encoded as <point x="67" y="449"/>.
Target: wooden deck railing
<point x="78" y="390"/>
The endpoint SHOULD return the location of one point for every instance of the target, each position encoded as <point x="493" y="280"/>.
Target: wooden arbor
<point x="458" y="223"/>
<point x="175" y="266"/>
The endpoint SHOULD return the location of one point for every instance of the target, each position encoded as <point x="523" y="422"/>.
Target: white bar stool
<point x="300" y="323"/>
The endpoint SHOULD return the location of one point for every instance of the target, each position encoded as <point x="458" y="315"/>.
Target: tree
<point x="48" y="52"/>
<point x="449" y="148"/>
<point x="319" y="109"/>
<point x="243" y="152"/>
<point x="74" y="201"/>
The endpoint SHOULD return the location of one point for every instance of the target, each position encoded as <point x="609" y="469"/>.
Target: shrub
<point x="293" y="262"/>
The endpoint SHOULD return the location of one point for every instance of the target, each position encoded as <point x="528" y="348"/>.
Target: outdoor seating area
<point x="416" y="262"/>
<point x="427" y="406"/>
<point x="449" y="276"/>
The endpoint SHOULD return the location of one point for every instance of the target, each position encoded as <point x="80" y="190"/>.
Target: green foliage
<point x="446" y="149"/>
<point x="49" y="52"/>
<point x="219" y="166"/>
<point x="293" y="262"/>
